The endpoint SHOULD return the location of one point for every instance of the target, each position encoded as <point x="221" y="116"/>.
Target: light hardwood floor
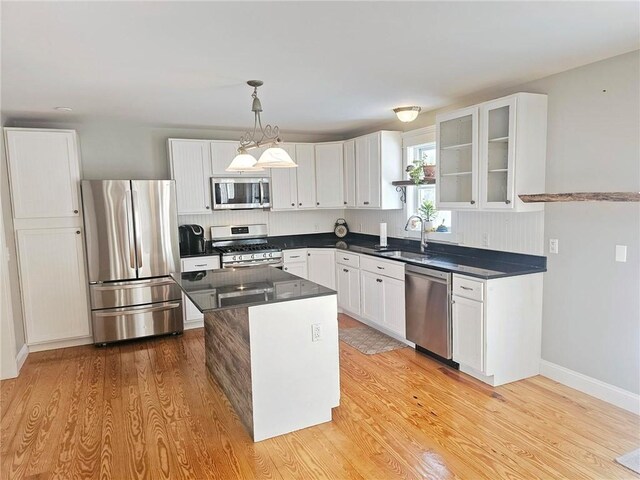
<point x="149" y="410"/>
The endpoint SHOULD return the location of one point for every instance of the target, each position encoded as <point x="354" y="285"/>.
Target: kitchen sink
<point x="409" y="256"/>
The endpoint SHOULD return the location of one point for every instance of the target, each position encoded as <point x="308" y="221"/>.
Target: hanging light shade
<point x="275" y="157"/>
<point x="243" y="162"/>
<point x="407" y="114"/>
<point x="261" y="136"/>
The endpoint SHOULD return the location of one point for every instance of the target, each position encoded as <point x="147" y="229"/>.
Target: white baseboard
<point x="591" y="386"/>
<point x="73" y="342"/>
<point x="21" y="357"/>
<point x="193" y="324"/>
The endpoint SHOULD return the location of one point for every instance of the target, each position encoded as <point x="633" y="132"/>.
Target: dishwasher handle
<point x="432" y="275"/>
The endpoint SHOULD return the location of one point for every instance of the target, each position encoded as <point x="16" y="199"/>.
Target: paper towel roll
<point x="383" y="234"/>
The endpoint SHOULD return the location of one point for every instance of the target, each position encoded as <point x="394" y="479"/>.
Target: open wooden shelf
<point x="408" y="183"/>
<point x="582" y="197"/>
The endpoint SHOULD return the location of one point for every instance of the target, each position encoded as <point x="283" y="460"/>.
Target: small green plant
<point x="416" y="171"/>
<point x="428" y="211"/>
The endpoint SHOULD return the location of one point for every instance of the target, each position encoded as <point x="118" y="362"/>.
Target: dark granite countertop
<point x="475" y="262"/>
<point x="213" y="290"/>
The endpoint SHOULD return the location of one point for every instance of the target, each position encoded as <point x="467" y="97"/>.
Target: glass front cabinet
<point x="490" y="153"/>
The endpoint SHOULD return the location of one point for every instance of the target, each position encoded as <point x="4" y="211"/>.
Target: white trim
<point x="21" y="357"/>
<point x="74" y="342"/>
<point x="419" y="136"/>
<point x="193" y="324"/>
<point x="591" y="386"/>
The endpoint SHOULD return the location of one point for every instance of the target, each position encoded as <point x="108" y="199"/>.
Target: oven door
<point x="240" y="193"/>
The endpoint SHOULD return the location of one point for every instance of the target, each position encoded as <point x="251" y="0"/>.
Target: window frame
<point x="410" y="139"/>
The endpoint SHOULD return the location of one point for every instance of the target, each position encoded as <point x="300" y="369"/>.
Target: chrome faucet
<point x="423" y="239"/>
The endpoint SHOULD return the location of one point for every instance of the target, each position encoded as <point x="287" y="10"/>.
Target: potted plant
<point x="416" y="171"/>
<point x="428" y="213"/>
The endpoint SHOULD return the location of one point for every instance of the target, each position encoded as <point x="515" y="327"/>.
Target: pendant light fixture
<point x="407" y="114"/>
<point x="269" y="136"/>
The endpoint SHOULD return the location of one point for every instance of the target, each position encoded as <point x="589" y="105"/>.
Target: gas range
<point x="245" y="246"/>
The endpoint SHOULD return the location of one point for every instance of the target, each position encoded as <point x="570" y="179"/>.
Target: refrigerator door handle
<point x="136" y="225"/>
<point x="130" y="227"/>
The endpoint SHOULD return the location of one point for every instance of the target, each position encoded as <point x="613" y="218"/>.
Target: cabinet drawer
<point x="296" y="255"/>
<point x="382" y="267"/>
<point x="349" y="259"/>
<point x="467" y="288"/>
<point x="195" y="264"/>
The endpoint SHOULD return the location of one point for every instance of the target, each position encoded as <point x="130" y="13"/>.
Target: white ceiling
<point x="327" y="66"/>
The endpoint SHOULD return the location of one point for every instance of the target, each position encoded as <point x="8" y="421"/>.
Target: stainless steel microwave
<point x="241" y="193"/>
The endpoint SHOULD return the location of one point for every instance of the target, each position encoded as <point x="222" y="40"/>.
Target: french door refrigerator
<point x="132" y="247"/>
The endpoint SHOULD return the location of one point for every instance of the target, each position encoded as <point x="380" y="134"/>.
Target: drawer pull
<point x="379" y="280"/>
<point x="345" y="270"/>
<point x="380" y="268"/>
<point x="465" y="288"/>
<point x="345" y="258"/>
<point x="294" y="256"/>
<point x="200" y="265"/>
<point x="366" y="203"/>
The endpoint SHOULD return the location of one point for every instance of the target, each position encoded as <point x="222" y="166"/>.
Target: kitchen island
<point x="271" y="344"/>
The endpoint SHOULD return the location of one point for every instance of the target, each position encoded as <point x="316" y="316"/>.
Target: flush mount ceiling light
<point x="268" y="136"/>
<point x="407" y="114"/>
<point x="63" y="109"/>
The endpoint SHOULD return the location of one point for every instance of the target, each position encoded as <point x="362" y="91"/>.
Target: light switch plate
<point x="553" y="245"/>
<point x="621" y="253"/>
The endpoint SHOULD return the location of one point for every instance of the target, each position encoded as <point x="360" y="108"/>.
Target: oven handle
<point x="251" y="264"/>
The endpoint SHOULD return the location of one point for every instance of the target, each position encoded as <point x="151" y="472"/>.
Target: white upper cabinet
<point x="378" y="159"/>
<point x="222" y="154"/>
<point x="329" y="168"/>
<point x="457" y="159"/>
<point x="44" y="169"/>
<point x="513" y="140"/>
<point x="490" y="153"/>
<point x="349" y="173"/>
<point x="284" y="184"/>
<point x="191" y="169"/>
<point x="306" y="175"/>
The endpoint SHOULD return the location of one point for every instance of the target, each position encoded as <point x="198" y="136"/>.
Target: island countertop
<point x="212" y="290"/>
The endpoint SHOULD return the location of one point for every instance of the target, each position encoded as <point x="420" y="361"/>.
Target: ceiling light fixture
<point x="269" y="136"/>
<point x="63" y="109"/>
<point x="407" y="114"/>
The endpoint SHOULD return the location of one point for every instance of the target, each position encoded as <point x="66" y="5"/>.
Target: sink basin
<point x="392" y="254"/>
<point x="410" y="256"/>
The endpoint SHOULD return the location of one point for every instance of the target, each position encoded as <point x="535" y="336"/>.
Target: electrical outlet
<point x="360" y="230"/>
<point x="317" y="227"/>
<point x="621" y="253"/>
<point x="485" y="239"/>
<point x="553" y="245"/>
<point x="316" y="332"/>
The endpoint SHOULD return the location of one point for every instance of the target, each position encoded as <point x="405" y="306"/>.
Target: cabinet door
<point x="348" y="286"/>
<point x="222" y="154"/>
<point x="457" y="159"/>
<point x="45" y="173"/>
<point x="322" y="266"/>
<point x="368" y="171"/>
<point x="329" y="188"/>
<point x="284" y="184"/>
<point x="497" y="154"/>
<point x="297" y="268"/>
<point x="349" y="173"/>
<point x="394" y="311"/>
<point x="371" y="297"/>
<point x="305" y="158"/>
<point x="191" y="312"/>
<point x="468" y="332"/>
<point x="191" y="169"/>
<point x="54" y="285"/>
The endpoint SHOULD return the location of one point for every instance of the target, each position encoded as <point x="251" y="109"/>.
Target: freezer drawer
<point x="136" y="292"/>
<point x="118" y="324"/>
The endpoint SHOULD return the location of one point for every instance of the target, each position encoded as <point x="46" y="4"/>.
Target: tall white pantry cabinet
<point x="44" y="176"/>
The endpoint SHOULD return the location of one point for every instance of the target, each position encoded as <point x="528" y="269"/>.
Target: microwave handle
<point x="261" y="193"/>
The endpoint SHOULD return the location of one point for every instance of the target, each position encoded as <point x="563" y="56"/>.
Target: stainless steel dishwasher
<point x="427" y="295"/>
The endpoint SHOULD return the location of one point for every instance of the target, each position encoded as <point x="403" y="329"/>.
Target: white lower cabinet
<point x="193" y="317"/>
<point x="496" y="327"/>
<point x="295" y="262"/>
<point x="54" y="286"/>
<point x="468" y="332"/>
<point x="321" y="263"/>
<point x="382" y="296"/>
<point x="348" y="286"/>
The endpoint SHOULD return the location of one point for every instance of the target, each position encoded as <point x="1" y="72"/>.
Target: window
<point x="418" y="195"/>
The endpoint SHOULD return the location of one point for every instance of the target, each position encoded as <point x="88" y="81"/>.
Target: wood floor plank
<point x="150" y="409"/>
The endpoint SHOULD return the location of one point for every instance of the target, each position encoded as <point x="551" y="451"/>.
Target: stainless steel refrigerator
<point x="132" y="247"/>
